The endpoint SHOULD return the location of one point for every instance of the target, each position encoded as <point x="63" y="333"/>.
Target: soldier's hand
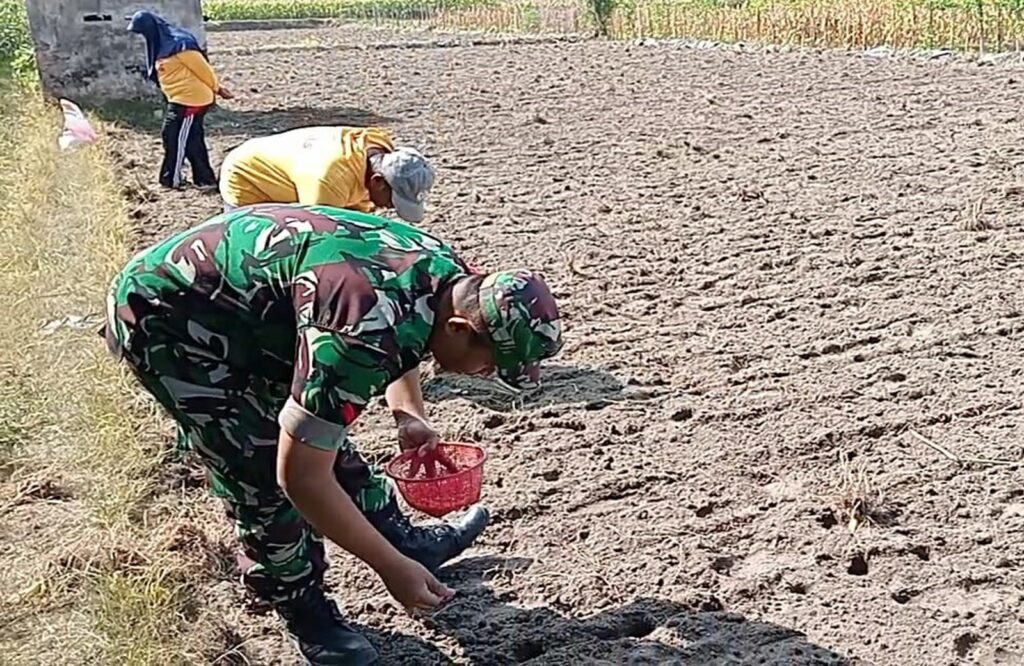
<point x="413" y="586"/>
<point x="415" y="433"/>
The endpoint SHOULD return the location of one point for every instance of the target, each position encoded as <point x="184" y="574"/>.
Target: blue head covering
<point x="162" y="39"/>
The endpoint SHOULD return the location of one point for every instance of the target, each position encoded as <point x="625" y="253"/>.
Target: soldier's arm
<point x="334" y="378"/>
<point x="405" y="399"/>
<point x="306" y="474"/>
<point x="406" y="395"/>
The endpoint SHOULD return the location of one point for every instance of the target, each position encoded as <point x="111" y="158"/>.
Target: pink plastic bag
<point x="77" y="130"/>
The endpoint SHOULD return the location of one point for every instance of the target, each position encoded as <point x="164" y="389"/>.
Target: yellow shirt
<point x="186" y="78"/>
<point x="309" y="165"/>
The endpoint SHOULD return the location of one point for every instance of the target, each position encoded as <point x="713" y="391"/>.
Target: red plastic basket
<point x="429" y="485"/>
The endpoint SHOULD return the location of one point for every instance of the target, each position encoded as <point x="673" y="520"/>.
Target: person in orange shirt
<point x="179" y="66"/>
<point x="358" y="168"/>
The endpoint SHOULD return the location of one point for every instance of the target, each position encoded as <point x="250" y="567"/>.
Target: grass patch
<point x="974" y="218"/>
<point x="239" y="10"/>
<point x="140" y="114"/>
<point x="968" y="25"/>
<point x="153" y="598"/>
<point x="17" y="55"/>
<point x="13" y="426"/>
<point x="90" y="574"/>
<point x="857" y="497"/>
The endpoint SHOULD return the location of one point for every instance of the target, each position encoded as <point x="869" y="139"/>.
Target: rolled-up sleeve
<point x="307" y="427"/>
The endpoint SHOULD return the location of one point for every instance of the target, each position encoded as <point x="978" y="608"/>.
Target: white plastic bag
<point x="77" y="130"/>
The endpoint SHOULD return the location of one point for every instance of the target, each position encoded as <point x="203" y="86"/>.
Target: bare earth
<point x="766" y="262"/>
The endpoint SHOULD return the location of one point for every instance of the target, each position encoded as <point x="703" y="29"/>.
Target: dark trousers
<point x="184" y="138"/>
<point x="228" y="419"/>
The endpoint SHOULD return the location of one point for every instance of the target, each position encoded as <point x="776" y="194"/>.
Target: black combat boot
<point x="430" y="545"/>
<point x="317" y="629"/>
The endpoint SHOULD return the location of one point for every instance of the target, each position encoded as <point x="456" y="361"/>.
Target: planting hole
<point x="858" y="565"/>
<point x="639" y="626"/>
<point x="528" y="650"/>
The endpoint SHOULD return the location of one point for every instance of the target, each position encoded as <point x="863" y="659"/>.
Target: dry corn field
<point x="786" y="427"/>
<point x="996" y="27"/>
<point x="972" y="25"/>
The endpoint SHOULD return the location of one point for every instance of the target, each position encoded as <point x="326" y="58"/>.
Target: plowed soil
<point x="791" y="285"/>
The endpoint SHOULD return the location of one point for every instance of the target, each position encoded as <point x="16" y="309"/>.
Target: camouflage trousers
<point x="228" y="418"/>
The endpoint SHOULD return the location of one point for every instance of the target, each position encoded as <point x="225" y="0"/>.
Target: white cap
<point x="410" y="177"/>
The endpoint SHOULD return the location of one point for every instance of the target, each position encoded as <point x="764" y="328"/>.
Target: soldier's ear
<point x="458" y="325"/>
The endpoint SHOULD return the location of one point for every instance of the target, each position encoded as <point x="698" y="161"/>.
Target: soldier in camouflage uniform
<point x="265" y="331"/>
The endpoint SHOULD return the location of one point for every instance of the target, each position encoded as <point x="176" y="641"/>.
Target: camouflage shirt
<point x="335" y="303"/>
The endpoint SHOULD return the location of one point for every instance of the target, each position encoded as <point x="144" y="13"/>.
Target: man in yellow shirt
<point x="345" y="167"/>
<point x="176" y="63"/>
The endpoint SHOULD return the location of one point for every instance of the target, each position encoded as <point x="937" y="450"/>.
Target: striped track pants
<point x="184" y="138"/>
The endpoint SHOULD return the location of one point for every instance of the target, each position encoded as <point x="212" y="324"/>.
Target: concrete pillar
<point x="84" y="49"/>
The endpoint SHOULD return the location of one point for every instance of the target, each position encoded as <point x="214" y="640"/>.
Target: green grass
<point x="17" y="57"/>
<point x="239" y="10"/>
<point x="14" y="34"/>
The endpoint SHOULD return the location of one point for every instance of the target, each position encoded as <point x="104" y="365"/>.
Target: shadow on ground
<point x="258" y="122"/>
<point x="646" y="631"/>
<point x="560" y="384"/>
<point x="147" y="115"/>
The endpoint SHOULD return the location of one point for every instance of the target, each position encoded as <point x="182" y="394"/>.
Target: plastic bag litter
<point x="77" y="130"/>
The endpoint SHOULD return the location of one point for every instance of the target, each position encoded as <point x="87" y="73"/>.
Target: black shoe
<point x="430" y="545"/>
<point x="317" y="629"/>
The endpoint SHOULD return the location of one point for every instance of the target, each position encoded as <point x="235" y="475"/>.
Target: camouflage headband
<point x="523" y="323"/>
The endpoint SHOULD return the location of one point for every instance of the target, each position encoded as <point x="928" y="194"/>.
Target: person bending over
<point x="265" y="331"/>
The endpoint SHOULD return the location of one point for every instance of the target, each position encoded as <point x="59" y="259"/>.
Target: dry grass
<point x="87" y="575"/>
<point x="857" y="499"/>
<point x="864" y="24"/>
<point x="986" y="26"/>
<point x="974" y="218"/>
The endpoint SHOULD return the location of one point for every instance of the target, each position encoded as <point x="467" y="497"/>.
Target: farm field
<point x="791" y="291"/>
